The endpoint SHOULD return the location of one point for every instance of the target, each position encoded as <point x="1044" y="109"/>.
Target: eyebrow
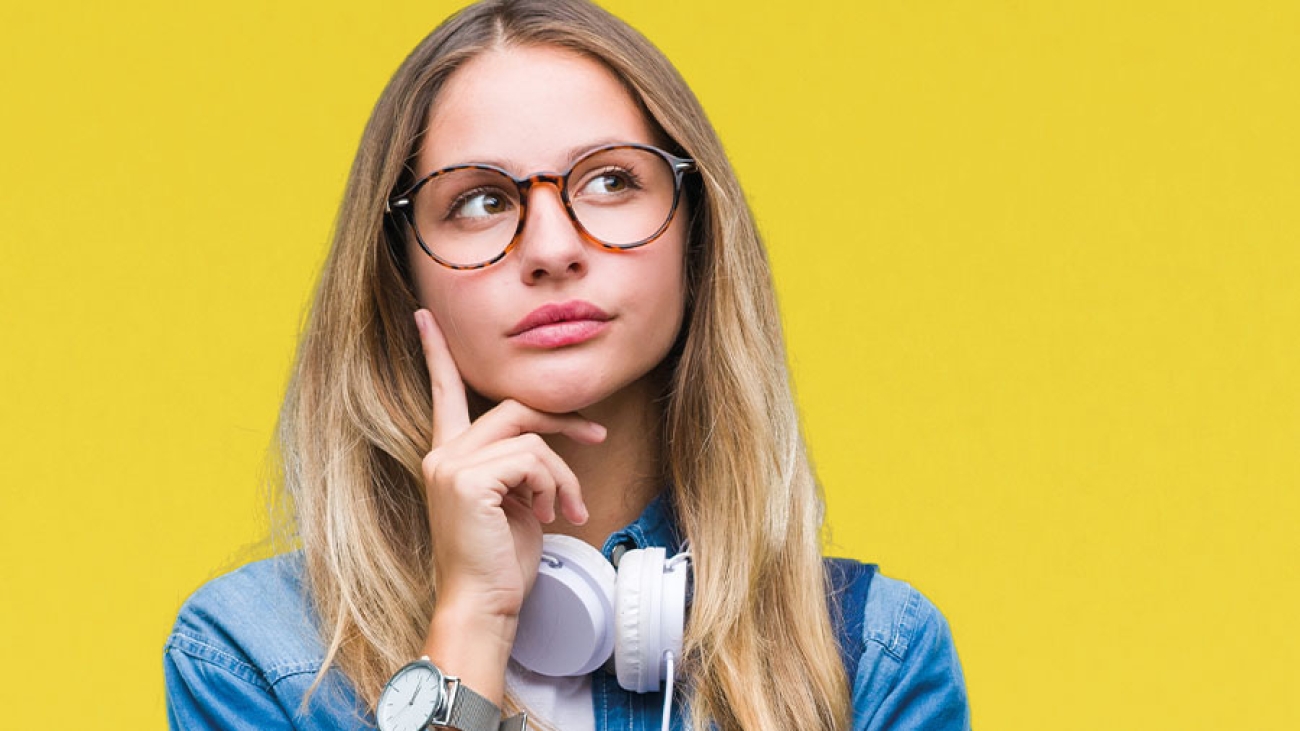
<point x="569" y="155"/>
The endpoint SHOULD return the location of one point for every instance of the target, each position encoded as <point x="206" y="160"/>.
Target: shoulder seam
<point x="270" y="676"/>
<point x="897" y="637"/>
<point x="197" y="649"/>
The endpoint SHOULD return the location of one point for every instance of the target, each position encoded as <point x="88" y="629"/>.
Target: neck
<point x="620" y="476"/>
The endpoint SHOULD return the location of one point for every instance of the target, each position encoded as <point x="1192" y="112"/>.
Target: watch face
<point x="411" y="698"/>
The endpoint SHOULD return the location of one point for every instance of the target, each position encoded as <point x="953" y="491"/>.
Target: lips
<point x="560" y="324"/>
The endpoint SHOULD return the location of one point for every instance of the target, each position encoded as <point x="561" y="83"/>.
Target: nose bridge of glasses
<point x="530" y="208"/>
<point x="558" y="181"/>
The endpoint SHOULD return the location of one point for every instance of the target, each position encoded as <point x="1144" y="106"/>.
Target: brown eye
<point x="610" y="182"/>
<point x="481" y="204"/>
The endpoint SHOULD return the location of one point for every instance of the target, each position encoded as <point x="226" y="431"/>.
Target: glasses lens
<point x="622" y="196"/>
<point x="467" y="216"/>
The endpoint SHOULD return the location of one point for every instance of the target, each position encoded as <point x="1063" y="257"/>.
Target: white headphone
<point x="581" y="610"/>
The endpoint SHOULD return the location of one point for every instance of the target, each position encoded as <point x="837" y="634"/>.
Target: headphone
<point x="582" y="610"/>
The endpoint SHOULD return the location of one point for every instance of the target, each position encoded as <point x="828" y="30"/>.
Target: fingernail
<point x="419" y="321"/>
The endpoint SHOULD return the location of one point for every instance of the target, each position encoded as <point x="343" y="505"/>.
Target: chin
<point x="564" y="391"/>
<point x="556" y="403"/>
<point x="553" y="396"/>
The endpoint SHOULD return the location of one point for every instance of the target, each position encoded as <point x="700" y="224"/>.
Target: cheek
<point x="664" y="288"/>
<point x="675" y="275"/>
<point x="462" y="309"/>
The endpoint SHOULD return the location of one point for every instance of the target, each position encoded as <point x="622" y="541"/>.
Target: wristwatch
<point x="420" y="695"/>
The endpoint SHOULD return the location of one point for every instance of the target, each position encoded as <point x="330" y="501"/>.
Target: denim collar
<point x="657" y="526"/>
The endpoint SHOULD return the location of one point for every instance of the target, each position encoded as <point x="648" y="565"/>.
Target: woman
<point x="601" y="359"/>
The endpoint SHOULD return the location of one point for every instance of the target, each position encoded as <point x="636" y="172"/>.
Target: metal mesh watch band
<point x="517" y="722"/>
<point x="472" y="712"/>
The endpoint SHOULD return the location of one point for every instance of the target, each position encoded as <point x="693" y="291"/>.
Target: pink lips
<point x="560" y="324"/>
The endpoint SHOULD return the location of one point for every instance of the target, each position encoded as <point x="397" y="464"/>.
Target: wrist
<point x="472" y="645"/>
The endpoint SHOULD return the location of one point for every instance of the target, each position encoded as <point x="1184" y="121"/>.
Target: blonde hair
<point x="760" y="652"/>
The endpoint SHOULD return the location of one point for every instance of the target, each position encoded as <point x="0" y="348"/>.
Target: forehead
<point x="529" y="109"/>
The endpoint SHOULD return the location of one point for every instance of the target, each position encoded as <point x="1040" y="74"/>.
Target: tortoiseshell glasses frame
<point x="640" y="207"/>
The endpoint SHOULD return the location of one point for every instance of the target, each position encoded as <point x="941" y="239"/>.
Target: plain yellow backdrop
<point x="1038" y="264"/>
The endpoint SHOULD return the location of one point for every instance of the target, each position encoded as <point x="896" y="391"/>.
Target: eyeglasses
<point x="470" y="216"/>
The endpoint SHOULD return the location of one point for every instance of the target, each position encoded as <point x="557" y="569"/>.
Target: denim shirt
<point x="245" y="650"/>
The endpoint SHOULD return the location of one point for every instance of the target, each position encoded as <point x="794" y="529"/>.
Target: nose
<point x="550" y="245"/>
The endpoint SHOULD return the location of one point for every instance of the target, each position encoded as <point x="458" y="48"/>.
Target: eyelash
<point x="629" y="174"/>
<point x="459" y="201"/>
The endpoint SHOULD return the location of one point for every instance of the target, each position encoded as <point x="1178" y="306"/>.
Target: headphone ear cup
<point x="650" y="603"/>
<point x="674" y="605"/>
<point x="566" y="624"/>
<point x="634" y="599"/>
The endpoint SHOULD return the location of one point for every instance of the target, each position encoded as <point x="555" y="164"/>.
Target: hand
<point x="490" y="485"/>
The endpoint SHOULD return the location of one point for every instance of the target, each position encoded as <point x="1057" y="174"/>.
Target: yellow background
<point x="1038" y="265"/>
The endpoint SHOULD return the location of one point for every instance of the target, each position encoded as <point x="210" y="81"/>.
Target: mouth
<point x="559" y="324"/>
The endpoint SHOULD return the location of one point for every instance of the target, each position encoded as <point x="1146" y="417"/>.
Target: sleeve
<point x="209" y="689"/>
<point x="909" y="677"/>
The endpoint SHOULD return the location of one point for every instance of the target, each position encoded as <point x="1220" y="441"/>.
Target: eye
<point x="479" y="203"/>
<point x="610" y="181"/>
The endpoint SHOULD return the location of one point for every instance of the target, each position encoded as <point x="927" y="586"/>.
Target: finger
<point x="525" y="476"/>
<point x="510" y="419"/>
<point x="450" y="407"/>
<point x="567" y="492"/>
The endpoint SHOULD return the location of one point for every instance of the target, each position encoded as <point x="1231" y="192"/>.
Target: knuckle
<point x="533" y="441"/>
<point x="467" y="485"/>
<point x="436" y="469"/>
<point x="534" y="462"/>
<point x="430" y="464"/>
<point x="462" y="483"/>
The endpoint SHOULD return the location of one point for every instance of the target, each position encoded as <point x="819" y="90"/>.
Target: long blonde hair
<point x="759" y="650"/>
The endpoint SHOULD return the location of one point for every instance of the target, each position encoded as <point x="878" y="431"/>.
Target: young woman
<point x="547" y="310"/>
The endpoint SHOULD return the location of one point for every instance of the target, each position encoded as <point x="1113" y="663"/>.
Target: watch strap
<point x="472" y="712"/>
<point x="517" y="722"/>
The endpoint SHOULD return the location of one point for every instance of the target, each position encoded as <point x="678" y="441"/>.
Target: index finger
<point x="450" y="407"/>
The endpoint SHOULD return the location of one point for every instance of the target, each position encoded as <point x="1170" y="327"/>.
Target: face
<point x="559" y="324"/>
